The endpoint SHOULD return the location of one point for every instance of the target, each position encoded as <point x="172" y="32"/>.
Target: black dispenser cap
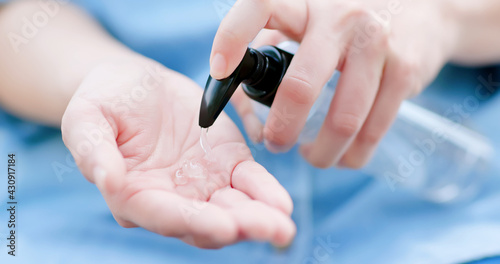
<point x="260" y="71"/>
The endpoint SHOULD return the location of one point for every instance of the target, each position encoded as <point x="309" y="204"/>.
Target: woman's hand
<point x="130" y="127"/>
<point x="386" y="50"/>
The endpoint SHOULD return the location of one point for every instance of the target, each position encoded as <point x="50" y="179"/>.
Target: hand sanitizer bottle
<point x="426" y="153"/>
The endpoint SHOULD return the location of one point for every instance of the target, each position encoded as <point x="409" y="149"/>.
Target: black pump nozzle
<point x="260" y="71"/>
<point x="218" y="92"/>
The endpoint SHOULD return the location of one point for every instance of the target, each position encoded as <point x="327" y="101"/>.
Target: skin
<point x="130" y="123"/>
<point x="383" y="59"/>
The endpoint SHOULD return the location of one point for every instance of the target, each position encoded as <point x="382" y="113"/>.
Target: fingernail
<point x="218" y="66"/>
<point x="254" y="128"/>
<point x="276" y="148"/>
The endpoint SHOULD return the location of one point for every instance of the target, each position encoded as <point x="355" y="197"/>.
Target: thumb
<point x="91" y="139"/>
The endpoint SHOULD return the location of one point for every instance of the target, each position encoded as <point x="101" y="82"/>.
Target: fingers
<point x="253" y="179"/>
<point x="90" y="137"/>
<point x="242" y="24"/>
<point x="242" y="102"/>
<point x="355" y="41"/>
<point x="255" y="219"/>
<point x="236" y="31"/>
<point x="353" y="100"/>
<point x="199" y="223"/>
<point x="229" y="216"/>
<point x="393" y="90"/>
<point x="268" y="37"/>
<point x="311" y="67"/>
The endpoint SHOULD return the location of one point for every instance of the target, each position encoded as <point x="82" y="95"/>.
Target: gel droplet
<point x="195" y="169"/>
<point x="190" y="170"/>
<point x="180" y="178"/>
<point x="205" y="145"/>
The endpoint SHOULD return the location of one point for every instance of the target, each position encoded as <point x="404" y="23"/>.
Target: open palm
<point x="132" y="126"/>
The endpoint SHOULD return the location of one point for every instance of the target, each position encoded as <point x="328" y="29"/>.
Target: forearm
<point x="479" y="31"/>
<point x="39" y="72"/>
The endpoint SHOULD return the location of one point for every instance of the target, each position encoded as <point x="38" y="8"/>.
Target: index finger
<point x="242" y="24"/>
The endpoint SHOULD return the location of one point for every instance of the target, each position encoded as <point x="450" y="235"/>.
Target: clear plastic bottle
<point x="438" y="159"/>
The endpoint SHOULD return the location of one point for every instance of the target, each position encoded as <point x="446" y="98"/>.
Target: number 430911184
<point x="11" y="176"/>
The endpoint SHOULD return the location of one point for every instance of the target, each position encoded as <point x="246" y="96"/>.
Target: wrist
<point x="82" y="65"/>
<point x="118" y="76"/>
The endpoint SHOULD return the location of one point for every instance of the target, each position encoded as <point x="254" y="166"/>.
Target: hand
<point x="386" y="50"/>
<point x="131" y="125"/>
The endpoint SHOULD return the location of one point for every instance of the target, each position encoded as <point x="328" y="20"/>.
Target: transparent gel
<point x="196" y="168"/>
<point x="204" y="144"/>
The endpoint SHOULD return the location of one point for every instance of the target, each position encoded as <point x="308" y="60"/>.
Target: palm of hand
<point x="142" y="136"/>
